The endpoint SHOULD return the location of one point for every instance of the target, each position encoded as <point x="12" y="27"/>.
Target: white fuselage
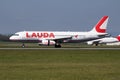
<point x="50" y="35"/>
<point x="109" y="40"/>
<point x="103" y="40"/>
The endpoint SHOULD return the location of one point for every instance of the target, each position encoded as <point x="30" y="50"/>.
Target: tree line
<point x="4" y="37"/>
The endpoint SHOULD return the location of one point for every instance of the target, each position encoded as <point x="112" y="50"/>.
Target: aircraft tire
<point x="57" y="46"/>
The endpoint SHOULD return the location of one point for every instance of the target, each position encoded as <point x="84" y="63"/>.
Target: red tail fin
<point x="101" y="26"/>
<point x="118" y="37"/>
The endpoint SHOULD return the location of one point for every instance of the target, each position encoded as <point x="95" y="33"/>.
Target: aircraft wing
<point x="103" y="35"/>
<point x="61" y="39"/>
<point x="96" y="42"/>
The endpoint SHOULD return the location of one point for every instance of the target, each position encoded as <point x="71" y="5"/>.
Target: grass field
<point x="59" y="64"/>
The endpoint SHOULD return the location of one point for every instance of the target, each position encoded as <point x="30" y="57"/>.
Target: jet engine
<point x="47" y="42"/>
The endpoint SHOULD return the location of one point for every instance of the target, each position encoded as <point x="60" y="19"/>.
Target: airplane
<point x="57" y="37"/>
<point x="104" y="40"/>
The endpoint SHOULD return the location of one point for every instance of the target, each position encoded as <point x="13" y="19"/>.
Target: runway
<point x="59" y="48"/>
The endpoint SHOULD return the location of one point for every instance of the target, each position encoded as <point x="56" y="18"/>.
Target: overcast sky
<point x="57" y="15"/>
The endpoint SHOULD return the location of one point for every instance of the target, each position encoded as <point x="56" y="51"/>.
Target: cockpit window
<point x="16" y="35"/>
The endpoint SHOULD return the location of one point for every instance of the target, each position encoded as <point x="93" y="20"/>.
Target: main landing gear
<point x="57" y="45"/>
<point x="23" y="45"/>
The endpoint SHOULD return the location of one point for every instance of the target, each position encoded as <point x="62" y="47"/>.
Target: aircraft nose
<point x="11" y="38"/>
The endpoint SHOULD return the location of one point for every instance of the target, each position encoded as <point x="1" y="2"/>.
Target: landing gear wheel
<point x="96" y="44"/>
<point x="23" y="45"/>
<point x="57" y="46"/>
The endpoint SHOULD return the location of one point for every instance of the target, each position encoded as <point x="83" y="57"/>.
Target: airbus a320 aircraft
<point x="104" y="40"/>
<point x="57" y="37"/>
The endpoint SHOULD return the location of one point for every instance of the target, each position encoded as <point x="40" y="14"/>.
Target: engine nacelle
<point x="47" y="42"/>
<point x="90" y="42"/>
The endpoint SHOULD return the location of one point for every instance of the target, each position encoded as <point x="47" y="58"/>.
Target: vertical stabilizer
<point x="118" y="37"/>
<point x="101" y="26"/>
